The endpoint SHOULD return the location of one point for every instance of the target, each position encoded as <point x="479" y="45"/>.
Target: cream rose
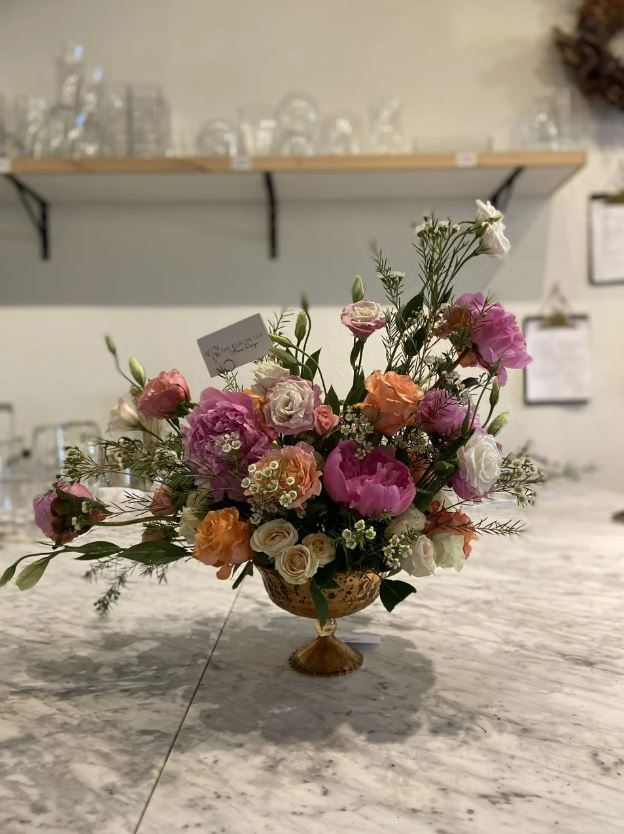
<point x="291" y="405"/>
<point x="479" y="466"/>
<point x="266" y="375"/>
<point x="449" y="550"/>
<point x="196" y="508"/>
<point x="273" y="536"/>
<point x="411" y="519"/>
<point x="420" y="561"/>
<point x="320" y="546"/>
<point x="493" y="241"/>
<point x="296" y="564"/>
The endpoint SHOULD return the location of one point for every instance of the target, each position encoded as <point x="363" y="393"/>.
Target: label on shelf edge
<point x="240" y="163"/>
<point x="466" y="159"/>
<point x="5" y="165"/>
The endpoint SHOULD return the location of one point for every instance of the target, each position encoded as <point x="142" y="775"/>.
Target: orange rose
<point x="293" y="469"/>
<point x="454" y="524"/>
<point x="392" y="401"/>
<point x="222" y="540"/>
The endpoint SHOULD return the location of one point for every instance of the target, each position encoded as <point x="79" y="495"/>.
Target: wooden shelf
<point x="408" y="177"/>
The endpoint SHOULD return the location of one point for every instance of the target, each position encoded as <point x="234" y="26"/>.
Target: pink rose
<point x="57" y="510"/>
<point x="162" y="396"/>
<point x="291" y="405"/>
<point x="325" y="420"/>
<point x="161" y="505"/>
<point x="221" y="413"/>
<point x="363" y="318"/>
<point x="375" y="484"/>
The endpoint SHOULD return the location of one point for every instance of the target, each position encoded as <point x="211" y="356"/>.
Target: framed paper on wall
<point x="606" y="239"/>
<point x="560" y="373"/>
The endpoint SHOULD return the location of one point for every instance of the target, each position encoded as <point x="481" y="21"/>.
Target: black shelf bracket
<point x="272" y="206"/>
<point x="38" y="211"/>
<point x="501" y="197"/>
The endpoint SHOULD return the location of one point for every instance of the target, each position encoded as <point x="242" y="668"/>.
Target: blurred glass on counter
<point x="257" y="125"/>
<point x="219" y="137"/>
<point x="341" y="134"/>
<point x="50" y="442"/>
<point x="386" y="129"/>
<point x="297" y="124"/>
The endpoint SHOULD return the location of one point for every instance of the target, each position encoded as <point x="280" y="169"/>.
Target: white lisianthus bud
<point x="273" y="536"/>
<point x="123" y="416"/>
<point x="296" y="565"/>
<point x="320" y="546"/>
<point x="266" y="374"/>
<point x="420" y="560"/>
<point x="136" y="369"/>
<point x="493" y="239"/>
<point x="301" y="326"/>
<point x="449" y="550"/>
<point x="411" y="519"/>
<point x="357" y="289"/>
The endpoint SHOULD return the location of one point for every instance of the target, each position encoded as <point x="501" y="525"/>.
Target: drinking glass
<point x="29" y="117"/>
<point x="7" y="423"/>
<point x="386" y="133"/>
<point x="297" y="122"/>
<point x="149" y="121"/>
<point x="219" y="137"/>
<point x="257" y="128"/>
<point x="50" y="442"/>
<point x="89" y="135"/>
<point x="51" y="138"/>
<point x="341" y="134"/>
<point x="542" y="126"/>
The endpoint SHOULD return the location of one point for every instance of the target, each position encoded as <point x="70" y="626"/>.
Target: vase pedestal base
<point x="326" y="656"/>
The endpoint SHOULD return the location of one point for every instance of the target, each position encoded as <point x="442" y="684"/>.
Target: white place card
<point x="466" y="159"/>
<point x="245" y="341"/>
<point x="5" y="165"/>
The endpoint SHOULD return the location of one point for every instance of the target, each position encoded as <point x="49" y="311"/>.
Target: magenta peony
<point x="441" y="413"/>
<point x="363" y="318"/>
<point x="224" y="435"/>
<point x="56" y="512"/>
<point x="494" y="332"/>
<point x="375" y="484"/>
<point x="163" y="395"/>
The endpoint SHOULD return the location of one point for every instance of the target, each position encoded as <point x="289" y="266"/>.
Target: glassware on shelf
<point x="297" y="124"/>
<point x="116" y="117"/>
<point x="341" y="134"/>
<point x="386" y="131"/>
<point x="89" y="135"/>
<point x="149" y="119"/>
<point x="50" y="442"/>
<point x="7" y="423"/>
<point x="29" y="117"/>
<point x="546" y="123"/>
<point x="52" y="137"/>
<point x="257" y="128"/>
<point x="219" y="137"/>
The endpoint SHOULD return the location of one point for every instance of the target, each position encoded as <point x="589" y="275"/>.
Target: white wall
<point x="157" y="278"/>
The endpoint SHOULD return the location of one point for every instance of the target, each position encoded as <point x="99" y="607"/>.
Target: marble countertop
<point x="494" y="702"/>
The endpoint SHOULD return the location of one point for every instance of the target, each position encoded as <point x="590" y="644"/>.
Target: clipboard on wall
<point x="560" y="373"/>
<point x="606" y="239"/>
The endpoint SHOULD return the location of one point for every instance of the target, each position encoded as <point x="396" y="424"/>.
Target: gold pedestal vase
<point x="326" y="654"/>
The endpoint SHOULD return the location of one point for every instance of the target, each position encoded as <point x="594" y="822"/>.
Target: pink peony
<point x="377" y="483"/>
<point x="495" y="335"/>
<point x="325" y="420"/>
<point x="56" y="512"/>
<point x="363" y="318"/>
<point x="222" y="413"/>
<point x="163" y="395"/>
<point x="291" y="405"/>
<point x="441" y="413"/>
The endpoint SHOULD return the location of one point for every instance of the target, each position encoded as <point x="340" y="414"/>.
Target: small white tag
<point x="240" y="163"/>
<point x="5" y="165"/>
<point x="236" y="345"/>
<point x="466" y="159"/>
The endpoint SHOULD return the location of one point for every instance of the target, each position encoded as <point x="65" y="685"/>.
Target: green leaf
<point x="287" y="360"/>
<point x="248" y="571"/>
<point x="32" y="573"/>
<point x="321" y="606"/>
<point x="393" y="591"/>
<point x="356" y="352"/>
<point x="413" y="343"/>
<point x="331" y="398"/>
<point x="154" y="553"/>
<point x="94" y="550"/>
<point x="413" y="306"/>
<point x="357" y="392"/>
<point x="311" y="366"/>
<point x="324" y="577"/>
<point x="9" y="573"/>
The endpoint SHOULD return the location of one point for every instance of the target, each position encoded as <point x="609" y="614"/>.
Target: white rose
<point x="266" y="375"/>
<point x="449" y="550"/>
<point x="123" y="416"/>
<point x="320" y="546"/>
<point x="296" y="565"/>
<point x="273" y="536"/>
<point x="193" y="513"/>
<point x="420" y="561"/>
<point x="411" y="519"/>
<point x="291" y="405"/>
<point x="493" y="241"/>
<point x="480" y="462"/>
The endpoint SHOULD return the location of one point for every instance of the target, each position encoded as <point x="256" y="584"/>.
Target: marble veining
<point x="492" y="705"/>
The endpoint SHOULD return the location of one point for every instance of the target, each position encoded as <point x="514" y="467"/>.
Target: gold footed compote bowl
<point x="326" y="654"/>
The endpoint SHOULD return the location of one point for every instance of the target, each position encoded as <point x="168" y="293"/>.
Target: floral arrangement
<point x="288" y="474"/>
